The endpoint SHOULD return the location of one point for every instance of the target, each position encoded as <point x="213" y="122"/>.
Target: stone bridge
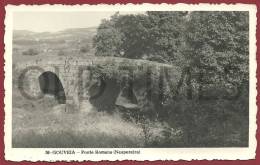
<point x="111" y="80"/>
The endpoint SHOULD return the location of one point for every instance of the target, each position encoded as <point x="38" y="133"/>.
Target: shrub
<point x="30" y="52"/>
<point x="84" y="49"/>
<point x="61" y="53"/>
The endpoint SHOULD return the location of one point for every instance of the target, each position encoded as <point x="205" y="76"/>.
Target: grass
<point x="44" y="123"/>
<point x="78" y="130"/>
<point x="38" y="124"/>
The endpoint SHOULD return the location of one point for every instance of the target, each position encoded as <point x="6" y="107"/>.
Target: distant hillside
<point x="58" y="43"/>
<point x="77" y="32"/>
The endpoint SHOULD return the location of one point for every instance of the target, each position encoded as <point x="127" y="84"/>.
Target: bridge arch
<point x="51" y="84"/>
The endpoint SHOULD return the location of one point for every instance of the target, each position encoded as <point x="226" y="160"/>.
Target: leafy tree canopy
<point x="213" y="45"/>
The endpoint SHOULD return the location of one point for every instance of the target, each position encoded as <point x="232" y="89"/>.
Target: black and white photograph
<point x="131" y="79"/>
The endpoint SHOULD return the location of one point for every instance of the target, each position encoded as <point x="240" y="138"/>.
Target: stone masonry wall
<point x="68" y="70"/>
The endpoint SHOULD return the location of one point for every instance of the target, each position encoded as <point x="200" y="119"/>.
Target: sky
<point x="57" y="21"/>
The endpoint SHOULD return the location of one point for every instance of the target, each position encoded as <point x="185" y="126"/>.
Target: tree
<point x="154" y="35"/>
<point x="217" y="48"/>
<point x="135" y="32"/>
<point x="216" y="56"/>
<point x="108" y="39"/>
<point x="166" y="34"/>
<point x="211" y="47"/>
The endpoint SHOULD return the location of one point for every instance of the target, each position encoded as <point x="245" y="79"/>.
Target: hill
<point x="62" y="43"/>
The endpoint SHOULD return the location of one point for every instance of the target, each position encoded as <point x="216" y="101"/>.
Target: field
<point x="45" y="124"/>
